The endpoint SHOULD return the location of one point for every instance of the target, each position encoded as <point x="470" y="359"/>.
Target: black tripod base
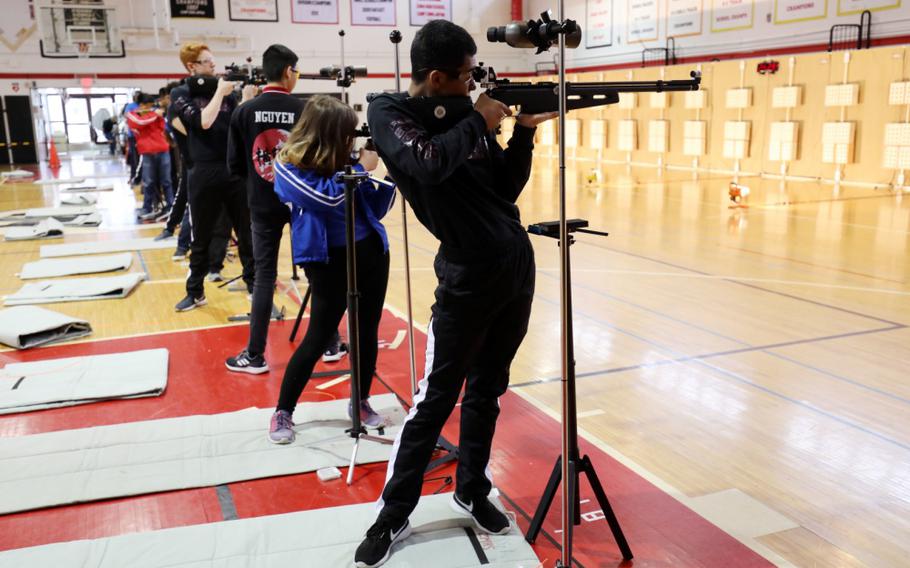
<point x="451" y="455"/>
<point x="577" y="467"/>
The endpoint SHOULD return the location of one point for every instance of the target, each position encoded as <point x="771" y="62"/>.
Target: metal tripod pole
<point x="395" y="38"/>
<point x="344" y="90"/>
<point x="357" y="430"/>
<point x="568" y="475"/>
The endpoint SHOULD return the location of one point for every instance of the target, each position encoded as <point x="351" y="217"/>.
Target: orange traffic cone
<point x="53" y="160"/>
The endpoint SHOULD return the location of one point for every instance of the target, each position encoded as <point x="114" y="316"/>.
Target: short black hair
<point x="440" y="45"/>
<point x="275" y="59"/>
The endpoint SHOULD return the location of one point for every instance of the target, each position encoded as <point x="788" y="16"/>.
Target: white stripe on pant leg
<point x="421" y="393"/>
<point x="489" y="472"/>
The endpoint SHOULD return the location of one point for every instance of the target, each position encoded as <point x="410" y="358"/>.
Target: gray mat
<point x="75" y="466"/>
<point x="53" y="383"/>
<point x="101" y="247"/>
<point x="322" y="538"/>
<point x="24" y="327"/>
<point x="71" y="266"/>
<point x="75" y="289"/>
<point x="45" y="229"/>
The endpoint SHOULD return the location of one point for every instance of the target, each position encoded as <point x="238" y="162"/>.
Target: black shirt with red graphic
<point x="258" y="130"/>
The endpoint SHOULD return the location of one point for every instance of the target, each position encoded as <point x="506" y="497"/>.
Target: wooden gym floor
<point x="750" y="363"/>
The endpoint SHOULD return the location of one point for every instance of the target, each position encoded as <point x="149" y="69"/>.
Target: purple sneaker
<point x="368" y="417"/>
<point x="281" y="429"/>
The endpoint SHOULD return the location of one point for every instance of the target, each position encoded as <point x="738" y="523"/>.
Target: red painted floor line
<point x="660" y="530"/>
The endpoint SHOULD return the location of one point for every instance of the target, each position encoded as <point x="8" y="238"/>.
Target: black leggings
<point x="328" y="283"/>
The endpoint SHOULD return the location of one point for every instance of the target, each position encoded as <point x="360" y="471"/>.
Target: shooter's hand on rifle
<point x="224" y="88"/>
<point x="249" y="92"/>
<point x="368" y="159"/>
<point x="532" y="120"/>
<point x="492" y="110"/>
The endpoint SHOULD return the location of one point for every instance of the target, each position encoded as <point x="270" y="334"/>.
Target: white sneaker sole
<point x="467" y="514"/>
<point x="194" y="306"/>
<point x="248" y="370"/>
<point x="401" y="536"/>
<point x="333" y="358"/>
<point x="282" y="442"/>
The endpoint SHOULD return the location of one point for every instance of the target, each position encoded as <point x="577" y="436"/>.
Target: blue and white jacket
<point x="317" y="202"/>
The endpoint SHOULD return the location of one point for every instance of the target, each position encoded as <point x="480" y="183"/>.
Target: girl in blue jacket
<point x="319" y="146"/>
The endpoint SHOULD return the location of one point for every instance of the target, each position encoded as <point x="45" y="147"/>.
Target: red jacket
<point x="148" y="128"/>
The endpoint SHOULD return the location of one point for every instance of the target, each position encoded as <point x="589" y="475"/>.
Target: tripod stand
<point x="357" y="431"/>
<point x="574" y="464"/>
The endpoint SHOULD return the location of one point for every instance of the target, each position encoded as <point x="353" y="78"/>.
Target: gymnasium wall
<point x="866" y="158"/>
<point x="704" y="29"/>
<point x="151" y="61"/>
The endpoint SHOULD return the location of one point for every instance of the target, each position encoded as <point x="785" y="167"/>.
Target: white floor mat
<point x="75" y="289"/>
<point x="66" y="211"/>
<point x="56" y="267"/>
<point x="82" y="380"/>
<point x="79" y="199"/>
<point x="322" y="538"/>
<point x="101" y="247"/>
<point x="60" y="181"/>
<point x="75" y="466"/>
<point x="24" y="327"/>
<point x="46" y="229"/>
<point x="89" y="187"/>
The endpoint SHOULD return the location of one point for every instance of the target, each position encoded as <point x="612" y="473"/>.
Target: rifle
<point x="439" y="114"/>
<point x="535" y="98"/>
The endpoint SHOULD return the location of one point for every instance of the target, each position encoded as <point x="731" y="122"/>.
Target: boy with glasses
<point x="206" y="120"/>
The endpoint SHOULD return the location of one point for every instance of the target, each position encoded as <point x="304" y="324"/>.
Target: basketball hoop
<point x="82" y="49"/>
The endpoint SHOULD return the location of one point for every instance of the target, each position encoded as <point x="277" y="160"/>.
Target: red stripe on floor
<point x="660" y="530"/>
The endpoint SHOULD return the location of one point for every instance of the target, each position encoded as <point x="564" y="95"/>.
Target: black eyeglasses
<point x="477" y="73"/>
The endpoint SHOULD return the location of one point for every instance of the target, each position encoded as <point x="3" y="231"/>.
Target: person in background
<point x="206" y="118"/>
<point x="147" y="125"/>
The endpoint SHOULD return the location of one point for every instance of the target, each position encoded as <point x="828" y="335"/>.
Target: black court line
<point x="226" y="501"/>
<point x="326" y="374"/>
<point x="740" y="283"/>
<point x="145" y="267"/>
<point x="725" y="353"/>
<point x="478" y="550"/>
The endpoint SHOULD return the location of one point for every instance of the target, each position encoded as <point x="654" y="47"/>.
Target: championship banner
<point x="422" y="11"/>
<point x="598" y="23"/>
<point x="314" y="11"/>
<point x="373" y="13"/>
<point x="790" y="11"/>
<point x="253" y="10"/>
<point x="683" y="18"/>
<point x="849" y="7"/>
<point x="642" y="22"/>
<point x="729" y="15"/>
<point x="193" y="9"/>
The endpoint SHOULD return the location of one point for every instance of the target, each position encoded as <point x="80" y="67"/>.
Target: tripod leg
<point x="545" y="501"/>
<point x="306" y="300"/>
<point x="577" y="500"/>
<point x="572" y="498"/>
<point x="353" y="460"/>
<point x="604" y="503"/>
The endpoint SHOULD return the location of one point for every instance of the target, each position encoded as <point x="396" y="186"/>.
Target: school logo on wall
<point x="15" y="87"/>
<point x="265" y="148"/>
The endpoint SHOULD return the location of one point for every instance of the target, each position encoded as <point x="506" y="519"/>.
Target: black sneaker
<point x="335" y="352"/>
<point x="377" y="546"/>
<point x="189" y="303"/>
<point x="486" y="516"/>
<point x="179" y="254"/>
<point x="246" y="363"/>
<point x="164" y="234"/>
